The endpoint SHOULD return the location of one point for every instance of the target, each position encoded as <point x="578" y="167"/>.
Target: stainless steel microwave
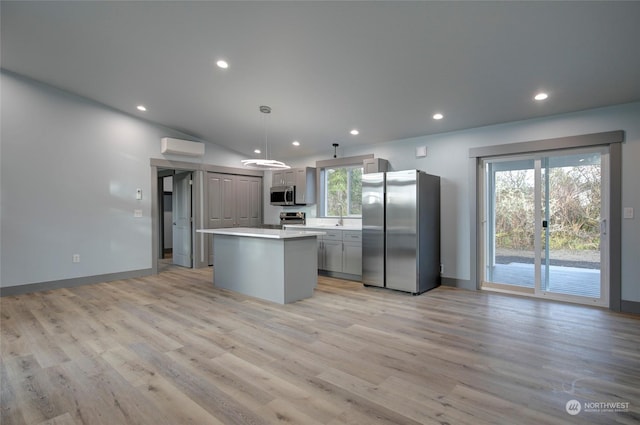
<point x="283" y="195"/>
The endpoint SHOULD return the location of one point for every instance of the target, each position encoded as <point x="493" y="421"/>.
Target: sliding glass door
<point x="510" y="249"/>
<point x="545" y="225"/>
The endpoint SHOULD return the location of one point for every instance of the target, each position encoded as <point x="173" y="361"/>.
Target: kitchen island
<point x="272" y="264"/>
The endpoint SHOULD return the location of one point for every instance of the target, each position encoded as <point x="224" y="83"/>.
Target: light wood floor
<point x="172" y="349"/>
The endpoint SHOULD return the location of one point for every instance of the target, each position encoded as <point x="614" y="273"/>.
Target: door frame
<point x="200" y="248"/>
<point x="162" y="174"/>
<point x="540" y="249"/>
<point x="612" y="139"/>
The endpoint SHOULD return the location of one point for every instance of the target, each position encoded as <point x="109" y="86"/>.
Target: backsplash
<point x="347" y="222"/>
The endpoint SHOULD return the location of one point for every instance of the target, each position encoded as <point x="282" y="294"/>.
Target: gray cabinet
<point x="375" y="165"/>
<point x="305" y="182"/>
<point x="332" y="255"/>
<point x="340" y="252"/>
<point x="352" y="252"/>
<point x="284" y="177"/>
<point x="332" y="250"/>
<point x="304" y="179"/>
<point x="277" y="179"/>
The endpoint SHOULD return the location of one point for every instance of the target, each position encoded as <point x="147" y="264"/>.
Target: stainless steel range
<point x="288" y="217"/>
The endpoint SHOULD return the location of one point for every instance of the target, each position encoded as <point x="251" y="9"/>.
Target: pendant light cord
<point x="265" y="111"/>
<point x="266" y="137"/>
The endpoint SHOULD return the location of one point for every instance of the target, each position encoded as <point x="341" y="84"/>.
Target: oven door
<point x="283" y="195"/>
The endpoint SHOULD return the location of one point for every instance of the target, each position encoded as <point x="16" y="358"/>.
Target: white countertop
<point x="262" y="233"/>
<point x="323" y="226"/>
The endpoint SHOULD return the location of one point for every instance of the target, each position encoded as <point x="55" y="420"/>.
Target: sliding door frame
<point x="539" y="165"/>
<point x="611" y="139"/>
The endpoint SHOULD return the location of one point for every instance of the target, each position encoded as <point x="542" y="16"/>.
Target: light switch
<point x="137" y="213"/>
<point x="628" y="212"/>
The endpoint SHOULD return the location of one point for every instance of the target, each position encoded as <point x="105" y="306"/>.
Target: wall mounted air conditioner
<point x="181" y="147"/>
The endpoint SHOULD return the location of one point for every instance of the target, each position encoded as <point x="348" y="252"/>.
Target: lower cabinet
<point x="352" y="258"/>
<point x="340" y="251"/>
<point x="352" y="252"/>
<point x="332" y="256"/>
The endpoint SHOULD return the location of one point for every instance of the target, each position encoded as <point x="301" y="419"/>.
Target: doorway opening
<point x="165" y="184"/>
<point x="175" y="215"/>
<point x="545" y="219"/>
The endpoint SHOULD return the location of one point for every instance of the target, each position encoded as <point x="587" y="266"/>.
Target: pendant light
<point x="266" y="163"/>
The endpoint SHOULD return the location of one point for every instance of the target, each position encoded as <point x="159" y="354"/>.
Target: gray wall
<point x="447" y="156"/>
<point x="69" y="171"/>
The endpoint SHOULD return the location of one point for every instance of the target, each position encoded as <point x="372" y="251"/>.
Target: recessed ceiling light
<point x="257" y="151"/>
<point x="141" y="108"/>
<point x="354" y="132"/>
<point x="222" y="64"/>
<point x="295" y="143"/>
<point x="541" y="96"/>
<point x="438" y="116"/>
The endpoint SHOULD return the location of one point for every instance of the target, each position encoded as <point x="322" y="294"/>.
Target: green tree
<point x="574" y="208"/>
<point x="355" y="191"/>
<point x="336" y="191"/>
<point x="344" y="191"/>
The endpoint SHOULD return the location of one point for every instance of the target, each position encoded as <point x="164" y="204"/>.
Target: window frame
<point x="324" y="194"/>
<point x="321" y="190"/>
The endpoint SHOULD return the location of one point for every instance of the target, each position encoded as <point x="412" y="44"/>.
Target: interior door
<point x="248" y="201"/>
<point x="545" y="225"/>
<point x="182" y="246"/>
<point x="221" y="209"/>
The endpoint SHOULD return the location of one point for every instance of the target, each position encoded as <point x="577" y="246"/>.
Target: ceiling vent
<point x="181" y="147"/>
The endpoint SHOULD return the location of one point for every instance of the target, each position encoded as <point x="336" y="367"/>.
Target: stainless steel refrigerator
<point x="401" y="230"/>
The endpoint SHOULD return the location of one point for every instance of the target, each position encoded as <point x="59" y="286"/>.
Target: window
<point x="342" y="191"/>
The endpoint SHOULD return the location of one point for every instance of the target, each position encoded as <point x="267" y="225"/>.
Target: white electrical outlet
<point x="137" y="213"/>
<point x="441" y="268"/>
<point x="75" y="258"/>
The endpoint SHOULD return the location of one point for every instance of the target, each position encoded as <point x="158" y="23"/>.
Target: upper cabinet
<point x="284" y="177"/>
<point x="305" y="183"/>
<point x="375" y="165"/>
<point x="304" y="179"/>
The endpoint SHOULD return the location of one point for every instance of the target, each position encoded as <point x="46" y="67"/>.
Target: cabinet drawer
<point x="335" y="235"/>
<point x="352" y="236"/>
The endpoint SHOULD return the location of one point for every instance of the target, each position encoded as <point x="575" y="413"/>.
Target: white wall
<point x="69" y="171"/>
<point x="447" y="156"/>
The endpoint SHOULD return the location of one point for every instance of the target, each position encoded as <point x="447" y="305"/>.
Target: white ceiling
<point x="327" y="67"/>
